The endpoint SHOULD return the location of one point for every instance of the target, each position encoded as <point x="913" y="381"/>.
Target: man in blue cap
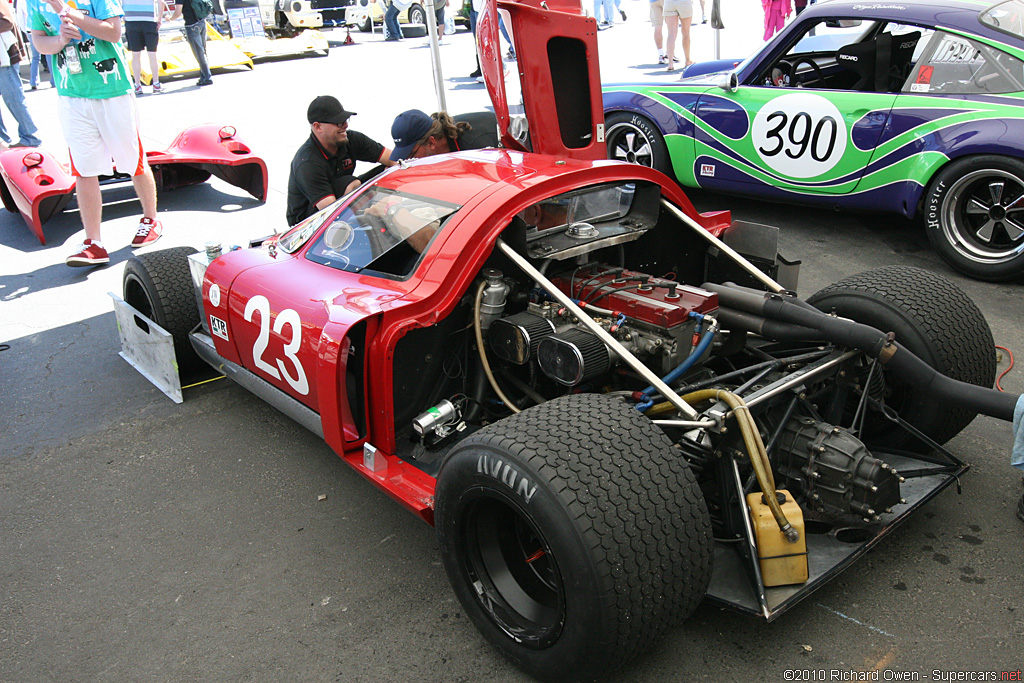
<point x="418" y="135"/>
<point x="323" y="168"/>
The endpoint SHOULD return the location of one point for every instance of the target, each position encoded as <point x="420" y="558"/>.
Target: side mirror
<point x="731" y="83"/>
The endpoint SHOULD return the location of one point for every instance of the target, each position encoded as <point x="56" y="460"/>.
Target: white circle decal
<point x="215" y="295"/>
<point x="799" y="135"/>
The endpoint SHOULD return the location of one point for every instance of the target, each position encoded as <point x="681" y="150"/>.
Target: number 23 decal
<point x="260" y="304"/>
<point x="800" y="135"/>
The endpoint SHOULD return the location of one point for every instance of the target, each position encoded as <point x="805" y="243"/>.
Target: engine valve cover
<point x="662" y="304"/>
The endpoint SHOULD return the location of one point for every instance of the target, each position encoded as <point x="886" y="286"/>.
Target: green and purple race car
<point x="909" y="107"/>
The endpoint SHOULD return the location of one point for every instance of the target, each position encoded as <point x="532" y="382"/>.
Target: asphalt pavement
<point x="217" y="540"/>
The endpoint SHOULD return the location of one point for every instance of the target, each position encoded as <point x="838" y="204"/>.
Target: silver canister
<point x="212" y="250"/>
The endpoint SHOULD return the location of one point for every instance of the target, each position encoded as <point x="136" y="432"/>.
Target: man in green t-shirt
<point x="97" y="111"/>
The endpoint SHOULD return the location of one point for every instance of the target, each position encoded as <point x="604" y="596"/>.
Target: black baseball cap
<point x="327" y="109"/>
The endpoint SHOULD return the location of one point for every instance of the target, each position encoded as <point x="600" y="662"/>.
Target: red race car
<point x="38" y="186"/>
<point x="605" y="409"/>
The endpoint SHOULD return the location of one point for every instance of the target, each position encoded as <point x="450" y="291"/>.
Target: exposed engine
<point x="540" y="348"/>
<point x="655" y="319"/>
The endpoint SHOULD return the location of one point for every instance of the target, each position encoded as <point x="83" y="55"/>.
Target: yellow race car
<point x="176" y="59"/>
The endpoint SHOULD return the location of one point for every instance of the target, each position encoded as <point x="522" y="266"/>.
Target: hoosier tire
<point x="974" y="216"/>
<point x="573" y="535"/>
<point x="159" y="285"/>
<point x="934" y="320"/>
<point x="633" y="138"/>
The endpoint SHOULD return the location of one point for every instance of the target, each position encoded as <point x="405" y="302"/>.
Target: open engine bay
<point x="793" y="425"/>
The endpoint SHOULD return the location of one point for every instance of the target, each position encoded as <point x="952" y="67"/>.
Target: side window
<point x="957" y="65"/>
<point x="811" y="60"/>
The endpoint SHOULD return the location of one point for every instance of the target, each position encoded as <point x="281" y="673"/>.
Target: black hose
<point x="876" y="344"/>
<point x="731" y="319"/>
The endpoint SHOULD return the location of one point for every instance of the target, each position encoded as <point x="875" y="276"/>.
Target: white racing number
<point x="799" y="135"/>
<point x="290" y="317"/>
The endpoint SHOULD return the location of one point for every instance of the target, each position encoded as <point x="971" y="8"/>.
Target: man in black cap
<point x="324" y="167"/>
<point x="418" y="135"/>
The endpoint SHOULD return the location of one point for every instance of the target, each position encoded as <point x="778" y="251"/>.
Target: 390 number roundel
<point x="799" y="135"/>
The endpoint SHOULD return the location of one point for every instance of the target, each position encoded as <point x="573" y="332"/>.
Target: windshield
<point x="383" y="231"/>
<point x="293" y="240"/>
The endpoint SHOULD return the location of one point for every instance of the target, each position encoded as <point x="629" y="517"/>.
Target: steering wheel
<point x="819" y="76"/>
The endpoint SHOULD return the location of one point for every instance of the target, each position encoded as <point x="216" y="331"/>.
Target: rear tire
<point x="634" y="139"/>
<point x="573" y="535"/>
<point x="933" y="319"/>
<point x="159" y="285"/>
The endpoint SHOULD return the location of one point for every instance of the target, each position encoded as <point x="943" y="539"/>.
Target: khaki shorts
<point x="678" y="8"/>
<point x="656" y="8"/>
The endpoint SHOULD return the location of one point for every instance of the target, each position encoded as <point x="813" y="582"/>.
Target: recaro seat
<point x="860" y="59"/>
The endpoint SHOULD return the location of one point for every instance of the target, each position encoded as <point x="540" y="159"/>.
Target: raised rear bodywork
<point x="39" y="187"/>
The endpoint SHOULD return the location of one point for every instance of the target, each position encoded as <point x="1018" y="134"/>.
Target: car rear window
<point x="957" y="65"/>
<point x="1007" y="17"/>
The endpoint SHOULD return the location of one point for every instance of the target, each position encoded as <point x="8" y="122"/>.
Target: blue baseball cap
<point x="408" y="129"/>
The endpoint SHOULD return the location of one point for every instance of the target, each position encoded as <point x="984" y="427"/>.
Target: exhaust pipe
<point x="767" y="310"/>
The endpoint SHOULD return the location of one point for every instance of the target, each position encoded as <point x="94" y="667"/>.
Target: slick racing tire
<point x="633" y="138"/>
<point x="573" y="534"/>
<point x="974" y="216"/>
<point x="933" y="319"/>
<point x="159" y="285"/>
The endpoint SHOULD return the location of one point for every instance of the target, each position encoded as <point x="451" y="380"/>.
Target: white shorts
<point x="99" y="132"/>
<point x="678" y="8"/>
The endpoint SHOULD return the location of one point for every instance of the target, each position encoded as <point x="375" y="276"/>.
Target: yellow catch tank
<point x="782" y="562"/>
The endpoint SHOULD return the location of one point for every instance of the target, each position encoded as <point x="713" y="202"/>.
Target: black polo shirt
<point x="316" y="174"/>
<point x="483" y="132"/>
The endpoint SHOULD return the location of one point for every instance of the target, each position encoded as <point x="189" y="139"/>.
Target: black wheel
<point x="635" y="139"/>
<point x="367" y="25"/>
<point x="974" y="215"/>
<point x="416" y="15"/>
<point x="573" y="535"/>
<point x="159" y="285"/>
<point x="933" y="319"/>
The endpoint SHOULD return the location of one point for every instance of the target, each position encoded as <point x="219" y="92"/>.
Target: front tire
<point x="974" y="216"/>
<point x="159" y="285"/>
<point x="633" y="138"/>
<point x="933" y="319"/>
<point x="416" y="15"/>
<point x="573" y="534"/>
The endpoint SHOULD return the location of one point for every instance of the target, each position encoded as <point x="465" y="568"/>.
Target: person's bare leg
<point x="670" y="40"/>
<point x="686" y="41"/>
<point x="658" y="39"/>
<point x="145" y="188"/>
<point x="154" y="68"/>
<point x="137" y="68"/>
<point x="90" y="206"/>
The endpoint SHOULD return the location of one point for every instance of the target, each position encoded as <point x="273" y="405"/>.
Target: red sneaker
<point x="149" y="231"/>
<point x="89" y="254"/>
